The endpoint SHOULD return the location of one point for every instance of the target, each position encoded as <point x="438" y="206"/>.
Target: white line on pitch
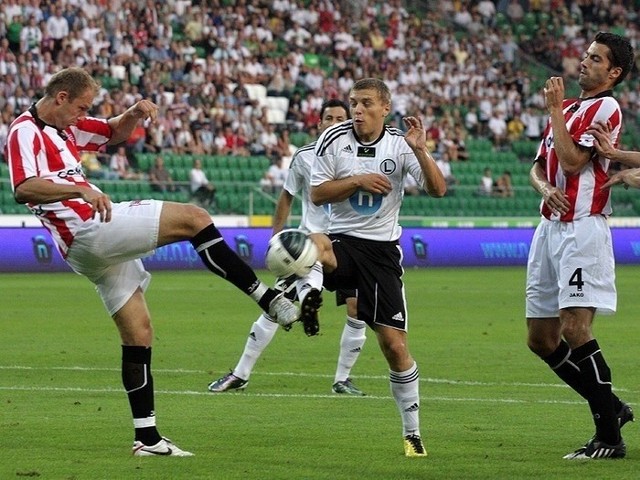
<point x="289" y="395"/>
<point x="307" y="375"/>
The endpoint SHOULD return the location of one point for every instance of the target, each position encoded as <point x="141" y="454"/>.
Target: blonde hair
<point x="75" y="81"/>
<point x="374" y="84"/>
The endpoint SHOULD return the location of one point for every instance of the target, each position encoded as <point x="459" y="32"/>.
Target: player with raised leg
<point x="105" y="241"/>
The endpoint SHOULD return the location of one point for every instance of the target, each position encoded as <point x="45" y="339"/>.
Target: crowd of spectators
<point x="198" y="59"/>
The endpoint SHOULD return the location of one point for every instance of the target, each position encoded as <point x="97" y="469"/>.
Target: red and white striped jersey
<point x="583" y="190"/>
<point x="54" y="156"/>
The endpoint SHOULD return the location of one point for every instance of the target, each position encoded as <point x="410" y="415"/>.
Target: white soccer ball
<point x="291" y="252"/>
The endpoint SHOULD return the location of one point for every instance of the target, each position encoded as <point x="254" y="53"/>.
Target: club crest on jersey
<point x="388" y="166"/>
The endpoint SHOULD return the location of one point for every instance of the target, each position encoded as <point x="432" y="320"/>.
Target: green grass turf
<point x="490" y="409"/>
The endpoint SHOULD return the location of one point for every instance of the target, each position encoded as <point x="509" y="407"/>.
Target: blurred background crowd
<point x="247" y="77"/>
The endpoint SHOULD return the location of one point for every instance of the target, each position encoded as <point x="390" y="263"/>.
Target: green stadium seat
<point x="223" y="175"/>
<point x="237" y="174"/>
<point x="299" y="138"/>
<point x="144" y="161"/>
<point x="180" y="174"/>
<point x="220" y="161"/>
<point x="530" y="23"/>
<point x="239" y="162"/>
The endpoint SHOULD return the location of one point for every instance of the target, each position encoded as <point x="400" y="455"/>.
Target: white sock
<point x="351" y="342"/>
<point x="405" y="391"/>
<point x="261" y="334"/>
<point x="313" y="279"/>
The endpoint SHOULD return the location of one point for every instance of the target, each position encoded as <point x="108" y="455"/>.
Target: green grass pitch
<point x="489" y="408"/>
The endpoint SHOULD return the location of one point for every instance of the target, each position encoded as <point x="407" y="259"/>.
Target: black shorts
<point x="372" y="268"/>
<point x="342" y="294"/>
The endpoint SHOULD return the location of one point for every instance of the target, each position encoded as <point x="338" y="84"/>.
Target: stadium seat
<point x="299" y="138"/>
<point x="144" y="161"/>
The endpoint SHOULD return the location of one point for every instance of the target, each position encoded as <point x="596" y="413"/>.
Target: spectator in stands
<point x="277" y="174"/>
<point x="503" y="187"/>
<point x="444" y="165"/>
<point x="160" y="178"/>
<point x="57" y="29"/>
<point x="471" y="121"/>
<point x="532" y="123"/>
<point x="30" y="36"/>
<point x="202" y="190"/>
<point x="94" y="168"/>
<point x="269" y="140"/>
<point x="119" y="164"/>
<point x="206" y="138"/>
<point x="284" y="146"/>
<point x="235" y="144"/>
<point x="459" y="141"/>
<point x="497" y="127"/>
<point x="485" y="189"/>
<point x="411" y="186"/>
<point x="515" y="12"/>
<point x="515" y="129"/>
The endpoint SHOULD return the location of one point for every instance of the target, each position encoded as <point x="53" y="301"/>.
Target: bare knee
<point x="394" y="348"/>
<point x="181" y="221"/>
<point x="138" y="332"/>
<point x="576" y="326"/>
<point x="325" y="251"/>
<point x="543" y="336"/>
<point x="134" y="322"/>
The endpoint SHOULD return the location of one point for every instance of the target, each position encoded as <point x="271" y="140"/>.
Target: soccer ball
<point x="291" y="252"/>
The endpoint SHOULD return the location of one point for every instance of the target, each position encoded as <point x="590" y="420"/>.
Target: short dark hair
<point x="620" y="52"/>
<point x="334" y="102"/>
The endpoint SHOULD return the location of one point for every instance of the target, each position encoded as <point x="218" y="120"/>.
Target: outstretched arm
<point x="124" y="124"/>
<point x="628" y="178"/>
<point x="602" y="134"/>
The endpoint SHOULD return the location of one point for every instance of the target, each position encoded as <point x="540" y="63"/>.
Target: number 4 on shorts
<point x="576" y="279"/>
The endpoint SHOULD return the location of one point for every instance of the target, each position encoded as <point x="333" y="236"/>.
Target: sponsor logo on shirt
<point x="367" y="152"/>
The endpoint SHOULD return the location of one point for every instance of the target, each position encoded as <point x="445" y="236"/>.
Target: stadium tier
<point x="238" y="191"/>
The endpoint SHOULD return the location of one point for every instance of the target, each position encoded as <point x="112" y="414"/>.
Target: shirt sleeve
<point x="91" y="133"/>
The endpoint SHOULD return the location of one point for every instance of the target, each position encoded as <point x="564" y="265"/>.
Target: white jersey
<point x="314" y="218"/>
<point x="339" y="155"/>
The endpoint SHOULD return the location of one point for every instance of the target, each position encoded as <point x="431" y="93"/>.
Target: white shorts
<point x="571" y="264"/>
<point x="109" y="254"/>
